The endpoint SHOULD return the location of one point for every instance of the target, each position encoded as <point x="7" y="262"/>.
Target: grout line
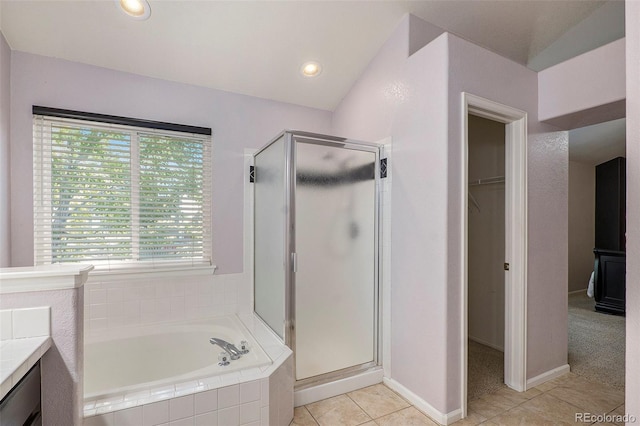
<point x="309" y="411"/>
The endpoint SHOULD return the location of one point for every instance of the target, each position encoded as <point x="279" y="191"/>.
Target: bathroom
<point x="407" y="104"/>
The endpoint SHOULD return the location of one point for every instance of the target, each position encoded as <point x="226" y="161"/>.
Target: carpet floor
<point x="485" y="373"/>
<point x="596" y="342"/>
<point x="596" y="350"/>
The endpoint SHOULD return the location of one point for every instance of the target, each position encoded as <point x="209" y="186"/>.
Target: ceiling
<point x="257" y="47"/>
<point x="598" y="143"/>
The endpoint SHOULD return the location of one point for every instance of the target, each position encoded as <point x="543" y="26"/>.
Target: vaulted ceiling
<point x="257" y="47"/>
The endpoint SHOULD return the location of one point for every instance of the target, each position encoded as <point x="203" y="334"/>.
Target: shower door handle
<point x="294" y="262"/>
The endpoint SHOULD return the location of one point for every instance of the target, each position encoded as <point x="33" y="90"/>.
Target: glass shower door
<point x="335" y="246"/>
<point x="270" y="216"/>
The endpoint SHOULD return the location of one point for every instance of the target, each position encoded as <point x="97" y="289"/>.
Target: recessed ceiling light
<point x="310" y="69"/>
<point x="137" y="9"/>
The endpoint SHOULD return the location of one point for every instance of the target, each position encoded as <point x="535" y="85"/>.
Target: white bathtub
<point x="156" y="357"/>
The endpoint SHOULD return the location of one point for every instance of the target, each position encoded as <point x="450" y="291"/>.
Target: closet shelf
<point x="487" y="181"/>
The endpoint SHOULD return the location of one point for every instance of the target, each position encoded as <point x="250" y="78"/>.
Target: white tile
<point x="229" y="379"/>
<point x="134" y="396"/>
<point x="114" y="295"/>
<point x="264" y="393"/>
<point x="228" y="396"/>
<point x="206" y="401"/>
<point x="128" y="417"/>
<point x="114" y="309"/>
<point x="98" y="324"/>
<point x="188" y="421"/>
<point x="181" y="407"/>
<point x="229" y="416"/>
<point x="163" y="306"/>
<point x="101" y="420"/>
<point x="148" y="306"/>
<point x="155" y="413"/>
<point x="97" y="296"/>
<point x="207" y="419"/>
<point x="6" y="329"/>
<point x="98" y="311"/>
<point x="250" y="412"/>
<point x="31" y="322"/>
<point x="250" y="391"/>
<point x="131" y="308"/>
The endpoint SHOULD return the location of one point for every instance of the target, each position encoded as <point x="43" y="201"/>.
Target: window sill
<point x="137" y="272"/>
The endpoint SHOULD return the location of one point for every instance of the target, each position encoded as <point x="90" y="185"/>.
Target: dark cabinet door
<point x="610" y="204"/>
<point x="610" y="284"/>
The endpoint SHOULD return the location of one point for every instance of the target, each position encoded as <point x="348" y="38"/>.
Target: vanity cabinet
<point x="21" y="406"/>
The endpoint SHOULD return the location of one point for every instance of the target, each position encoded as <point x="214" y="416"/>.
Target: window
<point x="120" y="195"/>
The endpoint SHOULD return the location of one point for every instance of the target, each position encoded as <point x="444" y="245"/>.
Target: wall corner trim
<point x="424" y="406"/>
<point x="547" y="375"/>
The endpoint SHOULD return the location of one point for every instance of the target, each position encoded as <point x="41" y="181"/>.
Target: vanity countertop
<point x="17" y="356"/>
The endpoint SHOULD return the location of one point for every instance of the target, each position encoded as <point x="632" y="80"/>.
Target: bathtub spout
<point x="234" y="353"/>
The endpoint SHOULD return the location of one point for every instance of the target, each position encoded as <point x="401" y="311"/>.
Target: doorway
<point x="515" y="238"/>
<point x="486" y="254"/>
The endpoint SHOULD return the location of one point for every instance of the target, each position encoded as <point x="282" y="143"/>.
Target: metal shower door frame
<point x="291" y="139"/>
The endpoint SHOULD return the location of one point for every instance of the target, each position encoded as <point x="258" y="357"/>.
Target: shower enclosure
<point x="316" y="220"/>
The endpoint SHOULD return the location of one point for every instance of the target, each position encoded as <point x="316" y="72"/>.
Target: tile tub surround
<point x="117" y="301"/>
<point x="254" y="396"/>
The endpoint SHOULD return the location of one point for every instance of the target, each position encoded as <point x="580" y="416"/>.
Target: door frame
<point x="515" y="345"/>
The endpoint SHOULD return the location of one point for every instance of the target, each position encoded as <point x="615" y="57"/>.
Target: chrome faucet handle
<point x="244" y="347"/>
<point x="223" y="359"/>
<point x="233" y="352"/>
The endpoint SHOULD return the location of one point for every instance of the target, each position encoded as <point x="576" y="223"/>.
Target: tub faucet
<point x="234" y="353"/>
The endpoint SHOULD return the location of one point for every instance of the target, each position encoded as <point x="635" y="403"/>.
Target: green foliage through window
<point x="113" y="194"/>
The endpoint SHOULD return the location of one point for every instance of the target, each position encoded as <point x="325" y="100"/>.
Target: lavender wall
<point x="237" y="121"/>
<point x="582" y="224"/>
<point x="584" y="90"/>
<point x="486" y="74"/>
<point x="417" y="102"/>
<point x="62" y="365"/>
<point x="406" y="98"/>
<point x="5" y="169"/>
<point x="632" y="18"/>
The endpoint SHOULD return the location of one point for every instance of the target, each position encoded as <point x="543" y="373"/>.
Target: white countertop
<point x="17" y="356"/>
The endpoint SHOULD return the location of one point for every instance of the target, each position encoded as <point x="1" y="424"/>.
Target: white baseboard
<point x="482" y="342"/>
<point x="424" y="406"/>
<point x="584" y="290"/>
<point x="548" y="375"/>
<point x="338" y="387"/>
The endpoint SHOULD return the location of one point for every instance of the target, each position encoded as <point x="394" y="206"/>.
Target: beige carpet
<point x="596" y="342"/>
<point x="596" y="350"/>
<point x="485" y="370"/>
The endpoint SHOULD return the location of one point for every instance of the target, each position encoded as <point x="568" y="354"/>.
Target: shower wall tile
<point x="130" y="301"/>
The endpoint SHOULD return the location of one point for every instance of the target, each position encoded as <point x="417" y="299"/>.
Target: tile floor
<point x="553" y="403"/>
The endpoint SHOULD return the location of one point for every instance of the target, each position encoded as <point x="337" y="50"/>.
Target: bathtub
<point x="136" y="371"/>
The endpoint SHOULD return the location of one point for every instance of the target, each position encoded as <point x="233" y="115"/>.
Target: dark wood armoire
<point x="610" y="258"/>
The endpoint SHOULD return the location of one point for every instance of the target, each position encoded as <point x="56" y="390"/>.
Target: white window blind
<point x="120" y="196"/>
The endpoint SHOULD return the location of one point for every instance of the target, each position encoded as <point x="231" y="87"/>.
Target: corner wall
<point x="482" y="73"/>
<point x="632" y="405"/>
<point x="237" y="122"/>
<point x="582" y="206"/>
<point x="417" y="101"/>
<point x="5" y="160"/>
